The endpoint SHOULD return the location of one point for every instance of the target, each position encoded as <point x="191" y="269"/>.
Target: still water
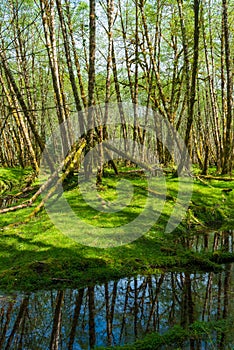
<point x="119" y="312"/>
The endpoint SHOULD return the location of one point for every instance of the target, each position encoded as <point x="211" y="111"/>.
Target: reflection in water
<point x="118" y="312"/>
<point x="209" y="242"/>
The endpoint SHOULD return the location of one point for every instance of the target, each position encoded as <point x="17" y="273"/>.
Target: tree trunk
<point x="228" y="142"/>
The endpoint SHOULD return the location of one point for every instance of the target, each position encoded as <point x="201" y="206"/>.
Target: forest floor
<point x="36" y="255"/>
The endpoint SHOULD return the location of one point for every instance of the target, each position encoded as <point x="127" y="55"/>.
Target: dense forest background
<point x="60" y="57"/>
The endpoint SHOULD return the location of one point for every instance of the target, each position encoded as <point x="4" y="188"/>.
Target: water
<point x="118" y="312"/>
<point x="211" y="242"/>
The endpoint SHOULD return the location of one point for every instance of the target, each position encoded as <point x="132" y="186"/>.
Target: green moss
<point x="36" y="255"/>
<point x="12" y="179"/>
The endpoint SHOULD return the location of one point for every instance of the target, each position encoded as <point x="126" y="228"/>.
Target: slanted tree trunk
<point x="21" y="101"/>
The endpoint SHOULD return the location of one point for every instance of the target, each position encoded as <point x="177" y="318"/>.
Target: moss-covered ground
<point x="37" y="255"/>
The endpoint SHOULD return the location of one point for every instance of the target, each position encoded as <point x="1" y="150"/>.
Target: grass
<point x="37" y="255"/>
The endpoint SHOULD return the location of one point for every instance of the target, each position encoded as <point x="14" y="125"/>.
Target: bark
<point x="216" y="178"/>
<point x="69" y="163"/>
<point x="66" y="44"/>
<point x="127" y="59"/>
<point x="21" y="101"/>
<point x="191" y="88"/>
<point x="92" y="52"/>
<point x="91" y="87"/>
<point x="118" y="94"/>
<point x="21" y="125"/>
<point x="228" y="142"/>
<point x="47" y="13"/>
<point x="155" y="67"/>
<point x="212" y="97"/>
<point x="75" y="54"/>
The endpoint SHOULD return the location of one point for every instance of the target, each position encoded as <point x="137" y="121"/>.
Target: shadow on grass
<point x="37" y="255"/>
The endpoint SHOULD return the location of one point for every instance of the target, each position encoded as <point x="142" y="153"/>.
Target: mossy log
<point x="218" y="178"/>
<point x="69" y="164"/>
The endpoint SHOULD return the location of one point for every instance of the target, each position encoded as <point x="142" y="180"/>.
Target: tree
<point x="228" y="141"/>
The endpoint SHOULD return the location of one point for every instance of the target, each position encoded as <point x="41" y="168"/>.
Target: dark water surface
<point x="118" y="312"/>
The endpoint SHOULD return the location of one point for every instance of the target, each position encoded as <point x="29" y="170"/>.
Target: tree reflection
<point x="56" y="330"/>
<point x="78" y="303"/>
<point x="118" y="312"/>
<point x="223" y="240"/>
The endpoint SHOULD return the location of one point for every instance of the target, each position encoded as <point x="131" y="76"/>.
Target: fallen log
<point x="71" y="159"/>
<point x="70" y="168"/>
<point x="218" y="178"/>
